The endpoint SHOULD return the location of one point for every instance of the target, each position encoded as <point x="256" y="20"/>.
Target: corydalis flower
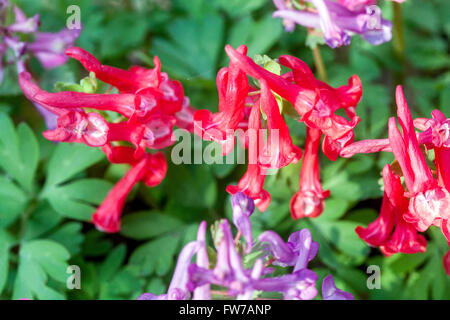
<point x="381" y="233"/>
<point x="150" y="102"/>
<point x="337" y="22"/>
<point x="243" y="280"/>
<point x="309" y="200"/>
<point x="330" y="292"/>
<point x="178" y="286"/>
<point x="243" y="208"/>
<point x="315" y="101"/>
<point x="297" y="252"/>
<point x="429" y="203"/>
<point x="151" y="169"/>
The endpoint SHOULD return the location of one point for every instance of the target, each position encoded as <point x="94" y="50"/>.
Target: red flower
<point x="151" y="169"/>
<point x="126" y="81"/>
<point x="429" y="202"/>
<point x="315" y="101"/>
<point x="60" y="102"/>
<point x="233" y="88"/>
<point x="151" y="101"/>
<point x="251" y="184"/>
<point x="279" y="150"/>
<point x="309" y="200"/>
<point x="381" y="233"/>
<point x="78" y="126"/>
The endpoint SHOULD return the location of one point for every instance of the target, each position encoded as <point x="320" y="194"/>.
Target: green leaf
<point x="68" y="159"/>
<point x="193" y="48"/>
<point x="39" y="260"/>
<point x="238" y="7"/>
<point x="70" y="236"/>
<point x="155" y="256"/>
<point x="259" y="36"/>
<point x="42" y="219"/>
<point x="199" y="188"/>
<point x="75" y="200"/>
<point x="341" y="234"/>
<point x="5" y="243"/>
<point x="12" y="202"/>
<point x="112" y="263"/>
<point x="144" y="225"/>
<point x="19" y="151"/>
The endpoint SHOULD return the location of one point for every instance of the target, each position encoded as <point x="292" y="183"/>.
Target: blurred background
<point x="189" y="38"/>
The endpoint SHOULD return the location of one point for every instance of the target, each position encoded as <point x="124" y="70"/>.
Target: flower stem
<point x="398" y="41"/>
<point x="320" y="66"/>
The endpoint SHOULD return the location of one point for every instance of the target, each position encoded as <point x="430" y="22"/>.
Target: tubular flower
<point x="429" y="203"/>
<point x="251" y="184"/>
<point x="243" y="208"/>
<point x="178" y="286"/>
<point x="243" y="281"/>
<point x="381" y="233"/>
<point x="315" y="101"/>
<point x="233" y="88"/>
<point x="330" y="292"/>
<point x="338" y="21"/>
<point x="151" y="103"/>
<point x="309" y="200"/>
<point x="279" y="150"/>
<point x="297" y="252"/>
<point x="151" y="169"/>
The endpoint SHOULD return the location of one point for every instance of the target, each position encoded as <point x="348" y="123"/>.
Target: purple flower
<point x="22" y="23"/>
<point x="49" y="47"/>
<point x="300" y="285"/>
<point x="338" y="23"/>
<point x="330" y="292"/>
<point x="202" y="292"/>
<point x="243" y="207"/>
<point x="297" y="252"/>
<point x="177" y="288"/>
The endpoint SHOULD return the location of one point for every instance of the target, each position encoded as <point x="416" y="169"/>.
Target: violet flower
<point x="330" y="292"/>
<point x="177" y="288"/>
<point x="243" y="207"/>
<point x="338" y="23"/>
<point x="49" y="47"/>
<point x="297" y="252"/>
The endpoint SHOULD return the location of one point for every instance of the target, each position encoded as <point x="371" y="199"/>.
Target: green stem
<point x="398" y="42"/>
<point x="320" y="66"/>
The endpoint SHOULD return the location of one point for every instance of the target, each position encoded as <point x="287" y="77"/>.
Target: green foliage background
<point x="48" y="191"/>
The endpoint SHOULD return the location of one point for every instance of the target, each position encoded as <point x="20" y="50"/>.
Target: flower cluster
<point x="243" y="280"/>
<point x="338" y="21"/>
<point x="47" y="47"/>
<point x="150" y="104"/>
<point x="425" y="200"/>
<point x="315" y="102"/>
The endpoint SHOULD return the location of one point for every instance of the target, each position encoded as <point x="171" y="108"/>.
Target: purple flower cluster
<point x="337" y="21"/>
<point x="47" y="47"/>
<point x="240" y="280"/>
